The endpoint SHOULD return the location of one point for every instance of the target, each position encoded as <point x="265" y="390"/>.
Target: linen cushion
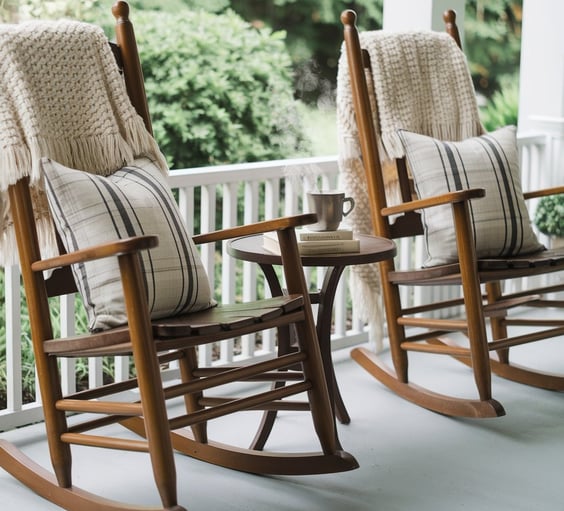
<point x="500" y="220"/>
<point x="90" y="209"/>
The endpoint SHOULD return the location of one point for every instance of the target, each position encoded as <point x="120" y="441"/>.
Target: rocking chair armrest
<point x="544" y="192"/>
<point x="113" y="248"/>
<point x="277" y="224"/>
<point x="447" y="198"/>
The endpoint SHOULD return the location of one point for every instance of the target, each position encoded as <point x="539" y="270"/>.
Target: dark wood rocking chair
<point x="155" y="342"/>
<point x="428" y="333"/>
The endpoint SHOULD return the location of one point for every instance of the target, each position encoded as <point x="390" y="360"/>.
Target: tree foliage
<point x="492" y="33"/>
<point x="314" y="35"/>
<point x="503" y="106"/>
<point x="493" y="42"/>
<point x="19" y="10"/>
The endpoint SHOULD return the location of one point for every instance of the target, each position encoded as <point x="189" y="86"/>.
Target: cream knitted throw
<point x="61" y="96"/>
<point x="422" y="84"/>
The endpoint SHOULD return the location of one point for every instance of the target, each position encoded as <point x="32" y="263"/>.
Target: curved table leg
<point x="324" y="316"/>
<point x="284" y="346"/>
<point x="325" y="299"/>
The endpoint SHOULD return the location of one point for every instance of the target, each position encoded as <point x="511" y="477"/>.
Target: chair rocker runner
<point x="163" y="339"/>
<point x="482" y="275"/>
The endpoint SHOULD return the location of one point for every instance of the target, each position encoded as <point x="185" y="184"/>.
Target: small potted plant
<point x="549" y="217"/>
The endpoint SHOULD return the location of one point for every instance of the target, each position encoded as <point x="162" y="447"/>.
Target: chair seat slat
<point x="225" y="317"/>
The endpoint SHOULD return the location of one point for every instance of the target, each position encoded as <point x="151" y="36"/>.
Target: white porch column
<point x="541" y="81"/>
<point x="421" y="14"/>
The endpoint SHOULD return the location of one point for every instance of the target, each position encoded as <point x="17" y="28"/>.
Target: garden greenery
<point x="502" y="108"/>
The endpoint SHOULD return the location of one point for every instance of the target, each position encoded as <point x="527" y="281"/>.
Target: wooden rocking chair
<point x="482" y="277"/>
<point x="156" y="342"/>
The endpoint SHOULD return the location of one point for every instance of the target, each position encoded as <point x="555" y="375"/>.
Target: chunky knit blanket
<point x="420" y="82"/>
<point x="61" y="96"/>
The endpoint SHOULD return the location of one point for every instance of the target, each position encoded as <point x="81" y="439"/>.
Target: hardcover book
<point x="313" y="247"/>
<point x="341" y="234"/>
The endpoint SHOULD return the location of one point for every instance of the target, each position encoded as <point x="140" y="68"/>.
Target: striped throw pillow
<point x="500" y="220"/>
<point x="89" y="209"/>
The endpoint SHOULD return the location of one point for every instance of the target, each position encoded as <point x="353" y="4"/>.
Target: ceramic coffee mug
<point x="330" y="209"/>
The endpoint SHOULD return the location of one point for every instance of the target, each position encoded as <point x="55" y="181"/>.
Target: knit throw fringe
<point x="421" y="83"/>
<point x="62" y="97"/>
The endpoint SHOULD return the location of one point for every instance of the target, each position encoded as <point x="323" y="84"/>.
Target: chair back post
<point x="29" y="252"/>
<point x="132" y="71"/>
<point x="21" y="209"/>
<point x="366" y="129"/>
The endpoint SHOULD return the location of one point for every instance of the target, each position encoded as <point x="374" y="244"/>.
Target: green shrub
<point x="549" y="215"/>
<point x="219" y="90"/>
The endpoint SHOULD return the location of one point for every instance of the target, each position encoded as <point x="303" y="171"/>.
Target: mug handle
<point x="350" y="200"/>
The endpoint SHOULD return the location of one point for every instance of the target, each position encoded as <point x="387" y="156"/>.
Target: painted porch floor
<point x="410" y="459"/>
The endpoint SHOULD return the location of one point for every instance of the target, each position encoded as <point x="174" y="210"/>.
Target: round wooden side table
<point x="372" y="249"/>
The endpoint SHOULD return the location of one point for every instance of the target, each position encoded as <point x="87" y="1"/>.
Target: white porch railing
<point x="218" y="197"/>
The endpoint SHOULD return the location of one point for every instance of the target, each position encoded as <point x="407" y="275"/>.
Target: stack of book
<point x="317" y="242"/>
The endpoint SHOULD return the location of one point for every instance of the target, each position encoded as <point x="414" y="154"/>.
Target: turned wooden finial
<point x="348" y="17"/>
<point x="120" y="10"/>
<point x="449" y="17"/>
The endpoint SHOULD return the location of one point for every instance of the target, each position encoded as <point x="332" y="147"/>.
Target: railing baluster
<point x="272" y="198"/>
<point x="208" y="195"/>
<point x="67" y="326"/>
<point x="228" y="267"/>
<point x="95" y="376"/>
<point x="249" y="291"/>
